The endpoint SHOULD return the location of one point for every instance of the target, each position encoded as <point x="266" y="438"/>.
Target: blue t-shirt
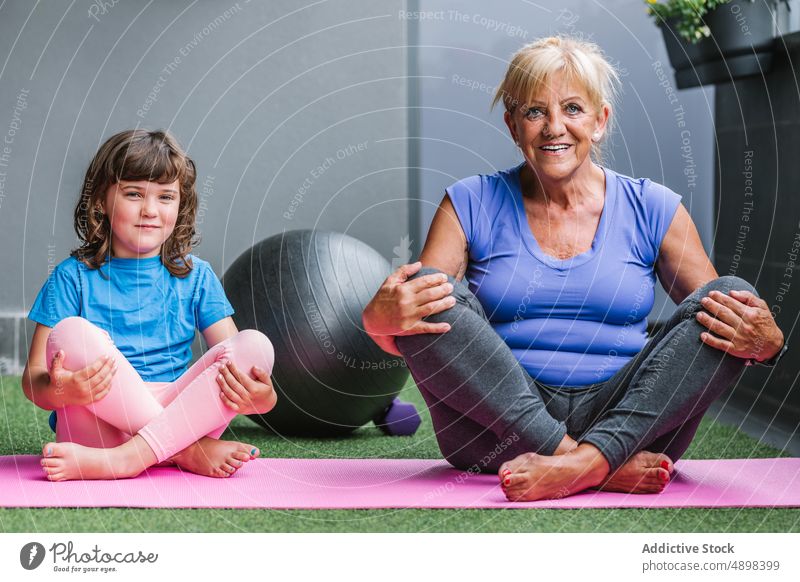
<point x="150" y="314"/>
<point x="569" y="322"/>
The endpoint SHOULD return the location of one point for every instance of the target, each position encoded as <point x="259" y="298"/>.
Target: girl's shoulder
<point x="69" y="267"/>
<point x="199" y="266"/>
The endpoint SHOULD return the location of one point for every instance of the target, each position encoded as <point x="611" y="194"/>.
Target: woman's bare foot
<point x="644" y="472"/>
<point x="66" y="461"/>
<point x="215" y="458"/>
<point x="530" y="476"/>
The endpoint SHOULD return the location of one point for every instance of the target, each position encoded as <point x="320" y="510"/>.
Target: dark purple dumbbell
<point x="399" y="419"/>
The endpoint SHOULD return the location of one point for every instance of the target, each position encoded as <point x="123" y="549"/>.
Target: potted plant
<point x="713" y="41"/>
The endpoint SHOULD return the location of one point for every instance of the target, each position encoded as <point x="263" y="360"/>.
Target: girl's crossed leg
<point x="180" y="422"/>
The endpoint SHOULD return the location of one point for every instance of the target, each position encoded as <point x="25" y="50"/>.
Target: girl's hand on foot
<point x="85" y="386"/>
<point x="244" y="394"/>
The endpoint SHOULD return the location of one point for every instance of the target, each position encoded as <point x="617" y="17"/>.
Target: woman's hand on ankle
<point x="83" y="387"/>
<point x="246" y="395"/>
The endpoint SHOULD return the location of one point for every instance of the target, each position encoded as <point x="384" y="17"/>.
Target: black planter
<point x="740" y="45"/>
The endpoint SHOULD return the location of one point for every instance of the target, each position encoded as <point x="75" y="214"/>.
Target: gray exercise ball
<point x="306" y="290"/>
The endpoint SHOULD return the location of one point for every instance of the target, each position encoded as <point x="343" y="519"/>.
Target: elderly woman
<point x="541" y="369"/>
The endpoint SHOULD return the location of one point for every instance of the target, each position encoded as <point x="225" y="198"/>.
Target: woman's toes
<point x="665" y="463"/>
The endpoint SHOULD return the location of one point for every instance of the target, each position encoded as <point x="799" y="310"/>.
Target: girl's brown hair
<point x="133" y="155"/>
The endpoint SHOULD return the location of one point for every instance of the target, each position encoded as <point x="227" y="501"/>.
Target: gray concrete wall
<point x="664" y="134"/>
<point x="294" y="113"/>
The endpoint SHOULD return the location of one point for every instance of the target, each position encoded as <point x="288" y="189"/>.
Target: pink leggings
<point x="169" y="416"/>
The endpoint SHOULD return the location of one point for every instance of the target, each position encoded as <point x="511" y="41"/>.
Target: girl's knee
<point x="71" y="324"/>
<point x="255" y="346"/>
<point x="77" y="333"/>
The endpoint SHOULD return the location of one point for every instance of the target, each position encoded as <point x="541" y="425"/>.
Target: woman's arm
<point x="682" y="264"/>
<point x="741" y="323"/>
<point x="446" y="246"/>
<point x="399" y="305"/>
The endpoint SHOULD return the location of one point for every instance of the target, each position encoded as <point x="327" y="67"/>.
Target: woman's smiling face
<point x="556" y="130"/>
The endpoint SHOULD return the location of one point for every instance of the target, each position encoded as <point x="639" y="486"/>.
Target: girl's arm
<point x="219" y="331"/>
<point x="52" y="387"/>
<point x="36" y="377"/>
<point x="242" y="393"/>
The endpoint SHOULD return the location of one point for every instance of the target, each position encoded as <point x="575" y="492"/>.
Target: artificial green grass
<point x="24" y="429"/>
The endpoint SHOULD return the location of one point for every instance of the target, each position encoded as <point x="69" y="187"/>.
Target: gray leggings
<point x="486" y="409"/>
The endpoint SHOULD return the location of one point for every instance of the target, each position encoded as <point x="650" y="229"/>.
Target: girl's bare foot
<point x="215" y="458"/>
<point x="644" y="472"/>
<point x="530" y="476"/>
<point x="66" y="461"/>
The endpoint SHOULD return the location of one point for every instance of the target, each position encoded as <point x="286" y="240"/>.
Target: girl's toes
<point x="228" y="468"/>
<point x="240" y="457"/>
<point x="254" y="452"/>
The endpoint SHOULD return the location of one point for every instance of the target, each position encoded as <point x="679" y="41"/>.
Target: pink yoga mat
<point x="388" y="483"/>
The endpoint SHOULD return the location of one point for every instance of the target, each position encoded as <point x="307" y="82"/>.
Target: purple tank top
<point x="569" y="322"/>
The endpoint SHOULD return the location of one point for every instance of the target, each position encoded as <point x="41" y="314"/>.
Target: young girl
<point x="115" y="324"/>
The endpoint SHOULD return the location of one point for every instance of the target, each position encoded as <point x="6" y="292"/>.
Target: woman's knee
<point x="691" y="305"/>
<point x="727" y="283"/>
<point x="461" y="292"/>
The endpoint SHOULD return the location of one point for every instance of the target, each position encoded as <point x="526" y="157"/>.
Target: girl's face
<point x="143" y="215"/>
<point x="556" y="130"/>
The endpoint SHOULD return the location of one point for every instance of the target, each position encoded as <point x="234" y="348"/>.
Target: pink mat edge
<point x="584" y="500"/>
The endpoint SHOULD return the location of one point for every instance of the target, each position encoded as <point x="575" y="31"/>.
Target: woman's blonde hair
<point x="133" y="155"/>
<point x="533" y="66"/>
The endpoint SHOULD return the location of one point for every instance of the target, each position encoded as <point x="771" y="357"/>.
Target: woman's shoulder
<point x="485" y="185"/>
<point x="641" y="189"/>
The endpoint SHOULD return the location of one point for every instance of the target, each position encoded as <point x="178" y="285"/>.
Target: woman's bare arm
<point x="446" y="246"/>
<point x="683" y="265"/>
<point x="399" y="305"/>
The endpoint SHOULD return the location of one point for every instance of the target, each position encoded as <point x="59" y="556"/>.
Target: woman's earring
<point x="595" y="137"/>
